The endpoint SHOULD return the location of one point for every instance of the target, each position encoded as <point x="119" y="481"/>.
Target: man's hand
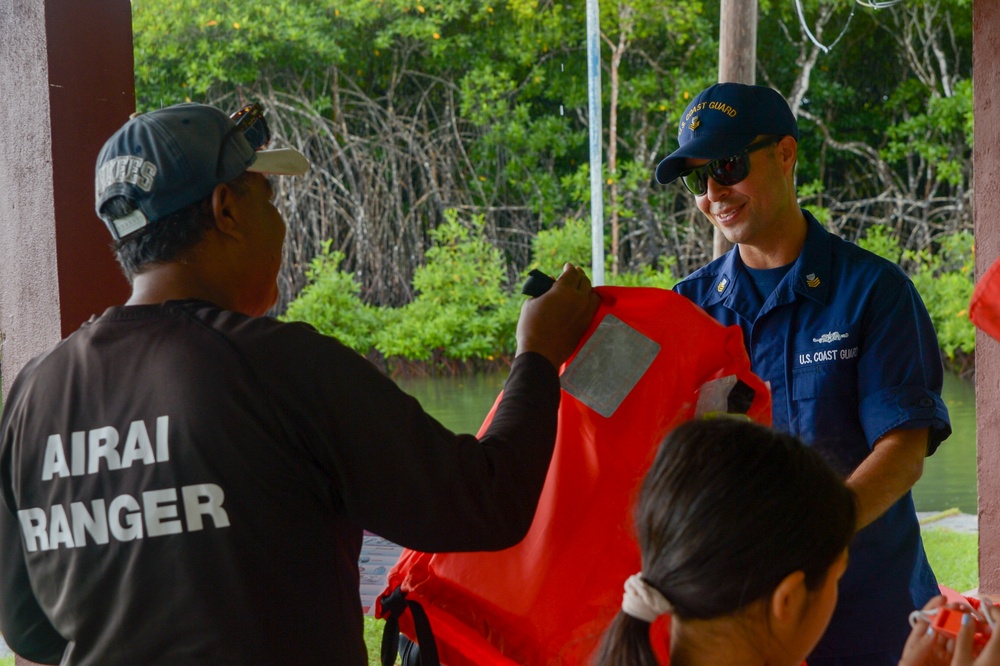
<point x="553" y="323"/>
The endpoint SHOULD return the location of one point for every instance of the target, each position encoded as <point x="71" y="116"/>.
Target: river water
<point x="949" y="480"/>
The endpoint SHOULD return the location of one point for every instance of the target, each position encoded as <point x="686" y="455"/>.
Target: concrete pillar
<point x="986" y="161"/>
<point x="66" y="72"/>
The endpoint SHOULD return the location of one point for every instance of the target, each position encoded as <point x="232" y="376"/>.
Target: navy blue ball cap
<point x="724" y="119"/>
<point x="173" y="157"/>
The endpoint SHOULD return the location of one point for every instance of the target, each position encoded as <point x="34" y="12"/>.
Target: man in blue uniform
<point x="841" y="335"/>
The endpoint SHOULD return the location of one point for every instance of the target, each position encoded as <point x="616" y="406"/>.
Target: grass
<point x="954" y="556"/>
<point x="373" y="639"/>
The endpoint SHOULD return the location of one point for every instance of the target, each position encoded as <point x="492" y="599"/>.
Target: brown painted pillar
<point x="66" y="72"/>
<point x="986" y="161"/>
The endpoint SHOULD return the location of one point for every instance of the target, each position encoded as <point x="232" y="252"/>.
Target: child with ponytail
<point x="743" y="533"/>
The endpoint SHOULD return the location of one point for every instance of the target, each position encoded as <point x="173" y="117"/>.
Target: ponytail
<point x="626" y="643"/>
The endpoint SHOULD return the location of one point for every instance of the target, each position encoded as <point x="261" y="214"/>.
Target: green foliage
<point x="897" y="82"/>
<point x="944" y="280"/>
<point x="881" y="241"/>
<point x="660" y="276"/>
<point x="463" y="309"/>
<point x="184" y="48"/>
<point x="330" y="303"/>
<point x="551" y="248"/>
<point x="928" y="131"/>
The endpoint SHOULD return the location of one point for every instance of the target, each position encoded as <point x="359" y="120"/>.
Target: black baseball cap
<point x="724" y="119"/>
<point x="173" y="157"/>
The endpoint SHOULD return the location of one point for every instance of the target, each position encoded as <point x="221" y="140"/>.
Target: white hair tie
<point x="642" y="601"/>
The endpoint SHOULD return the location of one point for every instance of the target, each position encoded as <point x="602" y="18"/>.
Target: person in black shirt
<point x="186" y="481"/>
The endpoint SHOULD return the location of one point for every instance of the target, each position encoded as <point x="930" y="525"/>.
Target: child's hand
<point x="926" y="647"/>
<point x="990" y="656"/>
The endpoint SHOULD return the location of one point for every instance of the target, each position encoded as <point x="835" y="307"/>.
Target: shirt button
<point x="926" y="402"/>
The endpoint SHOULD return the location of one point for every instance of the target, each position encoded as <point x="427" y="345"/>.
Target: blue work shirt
<point x="850" y="354"/>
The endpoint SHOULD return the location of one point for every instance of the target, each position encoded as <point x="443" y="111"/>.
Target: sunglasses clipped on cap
<point x="726" y="171"/>
<point x="250" y="121"/>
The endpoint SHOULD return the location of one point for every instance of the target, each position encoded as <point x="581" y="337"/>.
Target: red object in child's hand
<point x="948" y="621"/>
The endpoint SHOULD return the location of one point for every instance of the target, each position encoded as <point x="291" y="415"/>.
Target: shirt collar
<point x="809" y="276"/>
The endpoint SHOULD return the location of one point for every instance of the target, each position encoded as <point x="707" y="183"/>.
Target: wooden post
<point x="737" y="64"/>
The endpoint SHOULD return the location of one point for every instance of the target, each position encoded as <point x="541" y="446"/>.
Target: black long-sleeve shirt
<point x="184" y="484"/>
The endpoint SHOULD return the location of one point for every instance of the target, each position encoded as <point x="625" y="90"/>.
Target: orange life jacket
<point x="650" y="360"/>
<point x="984" y="306"/>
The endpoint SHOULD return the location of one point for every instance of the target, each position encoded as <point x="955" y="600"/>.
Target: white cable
<point x="987" y="612"/>
<point x="812" y="37"/>
<point x="878" y="4"/>
<point x="918" y="615"/>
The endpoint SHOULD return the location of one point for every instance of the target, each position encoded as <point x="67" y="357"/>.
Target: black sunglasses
<point x="726" y="171"/>
<point x="250" y="121"/>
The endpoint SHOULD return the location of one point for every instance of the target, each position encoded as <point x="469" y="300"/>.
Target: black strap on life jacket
<point x="740" y="398"/>
<point x="425" y="653"/>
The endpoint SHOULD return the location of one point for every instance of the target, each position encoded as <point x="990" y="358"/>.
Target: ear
<point x="226" y="210"/>
<point x="789" y="599"/>
<point x="788" y="151"/>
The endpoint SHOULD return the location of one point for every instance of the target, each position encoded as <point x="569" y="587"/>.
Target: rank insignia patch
<point x="812" y="281"/>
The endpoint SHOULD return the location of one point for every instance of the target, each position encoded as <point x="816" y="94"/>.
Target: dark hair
<point x="165" y="239"/>
<point x="728" y="510"/>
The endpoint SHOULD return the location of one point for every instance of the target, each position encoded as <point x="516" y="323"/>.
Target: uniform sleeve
<point x="900" y="372"/>
<point x="24" y="626"/>
<point x="401" y="474"/>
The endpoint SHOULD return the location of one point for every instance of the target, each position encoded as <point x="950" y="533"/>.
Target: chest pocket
<point x="824" y="413"/>
<point x="830" y="380"/>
